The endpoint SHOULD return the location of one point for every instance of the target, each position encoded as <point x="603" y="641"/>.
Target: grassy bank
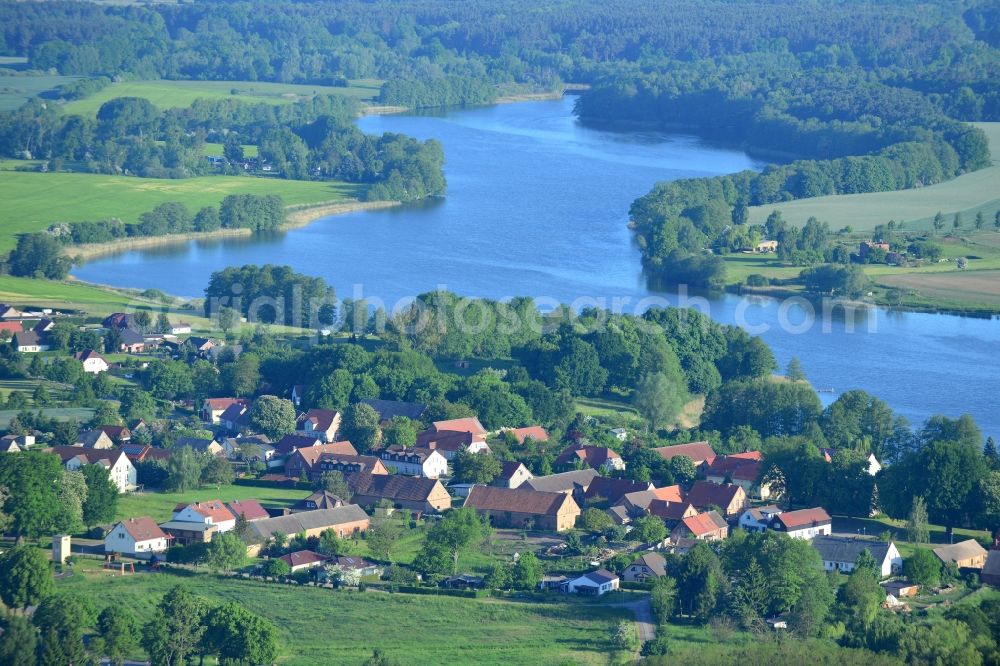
<point x="177" y="94"/>
<point x="968" y="194"/>
<point x="413" y="629"/>
<point x="33" y="201"/>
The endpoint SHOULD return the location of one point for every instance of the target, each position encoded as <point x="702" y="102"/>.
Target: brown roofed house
<point x="606" y="489"/>
<point x="406" y="492"/>
<point x="732" y="499"/>
<point x="966" y="554"/>
<point x="318" y="500"/>
<point x="303" y="559"/>
<point x="249" y="509"/>
<point x="595" y="457"/>
<point x="512" y="474"/>
<point x="698" y="452"/>
<point x="646" y="566"/>
<point x="803" y="523"/>
<point x="518" y="507"/>
<point x="537" y="433"/>
<point x="306" y="460"/>
<point x="322" y="423"/>
<point x="709" y="526"/>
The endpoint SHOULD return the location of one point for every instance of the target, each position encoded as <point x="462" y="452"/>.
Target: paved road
<point x="643" y="612"/>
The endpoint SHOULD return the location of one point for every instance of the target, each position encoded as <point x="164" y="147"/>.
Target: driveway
<point x="643" y="612"/>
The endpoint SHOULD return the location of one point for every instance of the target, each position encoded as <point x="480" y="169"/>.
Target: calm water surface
<point x="537" y="205"/>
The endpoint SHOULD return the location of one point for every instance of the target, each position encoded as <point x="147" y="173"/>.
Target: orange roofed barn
<point x="516" y="507"/>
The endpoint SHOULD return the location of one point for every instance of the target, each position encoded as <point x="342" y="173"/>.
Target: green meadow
<point x="159" y="506"/>
<point x="16" y="90"/>
<point x="319" y="626"/>
<point x="967" y="194"/>
<point x="176" y="94"/>
<point x="32" y="201"/>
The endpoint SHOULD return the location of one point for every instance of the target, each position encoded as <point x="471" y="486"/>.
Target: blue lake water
<point x="537" y="205"/>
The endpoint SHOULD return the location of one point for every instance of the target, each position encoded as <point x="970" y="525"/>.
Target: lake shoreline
<point x="297" y="216"/>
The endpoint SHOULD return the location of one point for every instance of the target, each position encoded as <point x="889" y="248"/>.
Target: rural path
<point x="643" y="612"/>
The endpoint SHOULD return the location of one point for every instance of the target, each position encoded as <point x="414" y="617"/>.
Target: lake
<point x="537" y="205"/>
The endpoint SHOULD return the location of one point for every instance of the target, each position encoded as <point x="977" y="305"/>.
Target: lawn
<point x="177" y="94"/>
<point x="159" y="506"/>
<point x="78" y="414"/>
<point x="320" y="626"/>
<point x="69" y="294"/>
<point x="16" y="90"/>
<point x="968" y="194"/>
<point x="33" y="201"/>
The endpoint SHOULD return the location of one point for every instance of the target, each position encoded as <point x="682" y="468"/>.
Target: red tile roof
<point x="222" y="403"/>
<point x="594" y="456"/>
<point x="736" y="466"/>
<point x="249" y="509"/>
<point x="793" y="520"/>
<point x="322" y="419"/>
<point x="704" y="493"/>
<point x="143" y="529"/>
<point x="213" y="509"/>
<point x="470" y="425"/>
<point x="704" y="523"/>
<point x="696" y="451"/>
<point x="536" y="433"/>
<point x="672" y="493"/>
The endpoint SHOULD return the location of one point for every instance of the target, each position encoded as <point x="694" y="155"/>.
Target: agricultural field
<point x="967" y="194"/>
<point x="73" y="295"/>
<point x="980" y="287"/>
<point x="16" y="90"/>
<point x="78" y="414"/>
<point x="418" y="629"/>
<point x="33" y="201"/>
<point x="178" y="94"/>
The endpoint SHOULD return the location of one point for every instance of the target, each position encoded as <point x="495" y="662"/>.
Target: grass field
<point x="319" y="626"/>
<point x="176" y="94"/>
<point x="159" y="506"/>
<point x="68" y="294"/>
<point x="33" y="201"/>
<point x="967" y="194"/>
<point x="16" y="90"/>
<point x="78" y="414"/>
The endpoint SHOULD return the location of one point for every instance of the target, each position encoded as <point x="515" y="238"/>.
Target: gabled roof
<point x="593" y="456"/>
<point x="303" y="558"/>
<point x="250" y="509"/>
<point x="389" y="409"/>
<point x="106" y="457"/>
<point x="564" y="482"/>
<point x="516" y="500"/>
<point x="222" y="403"/>
<point x="469" y="424"/>
<point x="413" y="454"/>
<point x="321" y="419"/>
<point x="536" y="433"/>
<point x="27" y="339"/>
<point x="741" y="466"/>
<point x="704" y="523"/>
<point x="88" y="354"/>
<point x="696" y="451"/>
<point x="508" y="469"/>
<point x="311" y="454"/>
<point x="303" y="521"/>
<point x="446" y="440"/>
<point x="140" y="452"/>
<point x="704" y="493"/>
<point x="652" y="561"/>
<point x="290" y="443"/>
<point x="672" y="493"/>
<point x="130" y="336"/>
<point x="670" y="510"/>
<point x="762" y="513"/>
<point x="614" y="489"/>
<point x="364" y="463"/>
<point x="319" y="500"/>
<point x="143" y="528"/>
<point x="793" y="520"/>
<point x="596" y="578"/>
<point x="992" y="566"/>
<point x="349" y="562"/>
<point x="198" y="444"/>
<point x="235" y="413"/>
<point x="394" y="486"/>
<point x="962" y="550"/>
<point x="847" y="549"/>
<point x="213" y="509"/>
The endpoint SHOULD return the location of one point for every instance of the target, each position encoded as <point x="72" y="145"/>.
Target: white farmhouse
<point x="93" y="362"/>
<point x="120" y="469"/>
<point x="841" y="554"/>
<point x="138" y="537"/>
<point x="428" y="463"/>
<point x="212" y="512"/>
<point x="594" y="583"/>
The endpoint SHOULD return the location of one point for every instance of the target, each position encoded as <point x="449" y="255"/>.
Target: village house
<point x="200" y="445"/>
<point x="297" y="395"/>
<point x="9" y="312"/>
<point x="121" y="471"/>
<point x="741" y="469"/>
<point x="637" y="504"/>
<point x="866" y="247"/>
<point x="803" y="523"/>
<point x="323" y="499"/>
<point x="303" y="559"/>
<point x="30" y="342"/>
<point x="621" y="434"/>
<point x="305" y="461"/>
<point x="898" y="590"/>
<point x="648" y="565"/>
<point x="95" y="439"/>
<point x="990" y="575"/>
<point x="249" y="509"/>
<point x="428" y="463"/>
<point x="518" y="507"/>
<point x="180" y="328"/>
<point x="289" y="443"/>
<point x="596" y="457"/>
<point x="387" y="410"/>
<point x="966" y="554"/>
<point x="841" y="553"/>
<point x="699" y="452"/>
<point x="251" y="448"/>
<point x="235" y="418"/>
<point x="131" y="341"/>
<point x="118" y="321"/>
<point x="212" y="408"/>
<point x="731" y="499"/>
<point x="212" y="512"/>
<point x="766" y="246"/>
<point x="10" y="327"/>
<point x="345" y="521"/>
<point x="137" y="537"/>
<point x="361" y="565"/>
<point x="138" y="453"/>
<point x="8" y="444"/>
<point x="405" y="492"/>
<point x="708" y="526"/>
<point x="183" y="532"/>
<point x="347" y="465"/>
<point x="116" y="433"/>
<point x="605" y="490"/>
<point x="512" y="474"/>
<point x="454" y="436"/>
<point x="874" y="466"/>
<point x="574" y="483"/>
<point x="593" y="584"/>
<point x="321" y="423"/>
<point x="93" y="363"/>
<point x="758" y="519"/>
<point x="671" y="513"/>
<point x="521" y="435"/>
